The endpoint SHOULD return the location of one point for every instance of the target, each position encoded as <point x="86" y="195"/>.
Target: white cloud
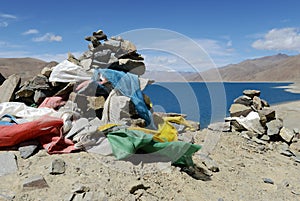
<point x="279" y="39"/>
<point x="48" y="37"/>
<point x="5" y="19"/>
<point x="30" y="31"/>
<point x="8" y="16"/>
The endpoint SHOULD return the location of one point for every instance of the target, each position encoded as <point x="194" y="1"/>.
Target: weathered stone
<point x="209" y="163"/>
<point x="251" y="122"/>
<point x="86" y="63"/>
<point x="296" y="130"/>
<point x="296" y="159"/>
<point x="65" y="91"/>
<point x="8" y="88"/>
<point x="39" y="82"/>
<point x="46" y="71"/>
<point x="57" y="166"/>
<point x="8" y="164"/>
<point x="129" y="65"/>
<point x="264" y="103"/>
<point x="28" y="148"/>
<point x="237" y="110"/>
<point x="195" y="126"/>
<point x="102" y="56"/>
<point x="35" y="182"/>
<point x="274" y="126"/>
<point x="113" y="45"/>
<point x="258" y="141"/>
<point x="126" y="48"/>
<point x="286" y="134"/>
<point x="244" y="100"/>
<point x="265" y="138"/>
<point x="95" y="103"/>
<point x="268" y="113"/>
<point x="268" y="181"/>
<point x="250" y="134"/>
<point x="251" y="93"/>
<point x="295" y="146"/>
<point x="188" y="137"/>
<point x="39" y="96"/>
<point x="257" y="103"/>
<point x="220" y="126"/>
<point x="287" y="153"/>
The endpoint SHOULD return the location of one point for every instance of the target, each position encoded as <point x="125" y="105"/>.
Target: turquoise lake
<point x="210" y="102"/>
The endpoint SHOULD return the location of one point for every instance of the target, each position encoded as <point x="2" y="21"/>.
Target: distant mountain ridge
<point x="280" y="67"/>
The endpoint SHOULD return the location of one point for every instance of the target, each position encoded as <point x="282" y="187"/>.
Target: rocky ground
<point x="247" y="171"/>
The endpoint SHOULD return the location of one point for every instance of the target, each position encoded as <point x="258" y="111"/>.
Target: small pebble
<point x="268" y="181"/>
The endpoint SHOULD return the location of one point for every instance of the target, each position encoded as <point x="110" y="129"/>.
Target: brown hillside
<point x="251" y="70"/>
<point x="25" y="67"/>
<point x="286" y="70"/>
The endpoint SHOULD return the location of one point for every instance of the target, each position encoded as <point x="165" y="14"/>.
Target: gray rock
<point x="8" y="163"/>
<point x="129" y="65"/>
<point x="296" y="130"/>
<point x="295" y="146"/>
<point x="251" y="123"/>
<point x="102" y="56"/>
<point x="187" y="137"/>
<point x="28" y="148"/>
<point x="296" y="159"/>
<point x="251" y="93"/>
<point x="57" y="166"/>
<point x="113" y="45"/>
<point x="209" y="163"/>
<point x="86" y="63"/>
<point x="265" y="138"/>
<point x="287" y="153"/>
<point x="8" y="88"/>
<point x="39" y="96"/>
<point x="250" y="134"/>
<point x="46" y="71"/>
<point x="268" y="180"/>
<point x="286" y="134"/>
<point x="274" y="126"/>
<point x="7" y="195"/>
<point x="220" y="126"/>
<point x="35" y="182"/>
<point x="265" y="103"/>
<point x="257" y="103"/>
<point x="268" y="113"/>
<point x="259" y="141"/>
<point x="244" y="100"/>
<point x="237" y="110"/>
<point x="126" y="48"/>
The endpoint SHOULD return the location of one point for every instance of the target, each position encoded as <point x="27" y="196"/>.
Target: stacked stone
<point x="256" y="120"/>
<point x="114" y="53"/>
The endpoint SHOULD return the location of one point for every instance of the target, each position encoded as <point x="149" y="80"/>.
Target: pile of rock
<point x="255" y="120"/>
<point x="114" y="53"/>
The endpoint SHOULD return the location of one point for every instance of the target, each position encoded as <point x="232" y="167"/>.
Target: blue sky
<point x="225" y="31"/>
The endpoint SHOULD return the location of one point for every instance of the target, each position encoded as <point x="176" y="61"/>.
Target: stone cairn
<point x="254" y="119"/>
<point x="113" y="53"/>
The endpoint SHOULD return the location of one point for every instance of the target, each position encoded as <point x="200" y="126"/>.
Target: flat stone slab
<point x="8" y="163"/>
